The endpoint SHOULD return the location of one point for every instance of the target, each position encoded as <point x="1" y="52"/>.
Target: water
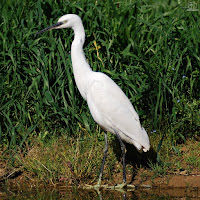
<point x="74" y="193"/>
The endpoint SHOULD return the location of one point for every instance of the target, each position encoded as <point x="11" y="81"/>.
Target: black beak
<point x="50" y="27"/>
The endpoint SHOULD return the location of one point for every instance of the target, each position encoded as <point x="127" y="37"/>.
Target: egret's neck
<point x="80" y="66"/>
<point x="79" y="35"/>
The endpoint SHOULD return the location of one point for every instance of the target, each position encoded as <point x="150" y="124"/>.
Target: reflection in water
<point x="74" y="193"/>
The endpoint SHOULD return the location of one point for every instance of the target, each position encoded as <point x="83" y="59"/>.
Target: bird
<point x="109" y="106"/>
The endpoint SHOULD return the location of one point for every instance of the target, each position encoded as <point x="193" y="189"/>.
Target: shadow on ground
<point x="133" y="157"/>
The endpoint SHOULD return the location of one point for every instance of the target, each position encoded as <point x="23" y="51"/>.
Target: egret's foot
<point x="96" y="187"/>
<point x="121" y="186"/>
<point x="130" y="186"/>
<point x="86" y="186"/>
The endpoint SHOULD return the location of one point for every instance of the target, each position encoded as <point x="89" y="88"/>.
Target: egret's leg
<point x="123" y="148"/>
<point x="104" y="159"/>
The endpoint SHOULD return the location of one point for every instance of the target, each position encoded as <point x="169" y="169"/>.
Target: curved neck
<point x="79" y="34"/>
<point x="80" y="66"/>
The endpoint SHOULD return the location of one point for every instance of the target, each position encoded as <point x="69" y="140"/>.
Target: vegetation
<point x="149" y="48"/>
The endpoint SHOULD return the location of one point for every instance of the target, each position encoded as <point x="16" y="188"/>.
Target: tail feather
<point x="143" y="145"/>
<point x="146" y="143"/>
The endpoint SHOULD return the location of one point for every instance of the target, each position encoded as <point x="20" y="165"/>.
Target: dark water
<point x="74" y="193"/>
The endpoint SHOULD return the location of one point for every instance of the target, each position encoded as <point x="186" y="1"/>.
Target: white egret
<point x="109" y="106"/>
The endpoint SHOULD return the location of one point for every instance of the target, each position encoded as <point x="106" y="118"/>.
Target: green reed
<point x="149" y="48"/>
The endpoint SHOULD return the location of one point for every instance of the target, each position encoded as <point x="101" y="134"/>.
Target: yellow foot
<point x="86" y="186"/>
<point x="130" y="186"/>
<point x="115" y="187"/>
<point x="121" y="186"/>
<point x="96" y="187"/>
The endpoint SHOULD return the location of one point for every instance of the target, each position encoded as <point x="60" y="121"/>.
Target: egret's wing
<point x="113" y="105"/>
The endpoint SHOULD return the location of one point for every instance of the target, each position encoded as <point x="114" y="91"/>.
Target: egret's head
<point x="66" y="21"/>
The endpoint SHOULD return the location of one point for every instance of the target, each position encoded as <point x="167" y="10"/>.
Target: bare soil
<point x="181" y="180"/>
<point x="144" y="178"/>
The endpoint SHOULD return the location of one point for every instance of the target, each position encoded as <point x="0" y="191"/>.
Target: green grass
<point x="63" y="160"/>
<point x="149" y="48"/>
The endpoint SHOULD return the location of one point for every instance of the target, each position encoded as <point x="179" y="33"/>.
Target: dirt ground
<point x="170" y="180"/>
<point x="171" y="185"/>
<point x="173" y="180"/>
<point x="180" y="180"/>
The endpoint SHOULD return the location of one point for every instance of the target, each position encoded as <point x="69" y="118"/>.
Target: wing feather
<point x="111" y="108"/>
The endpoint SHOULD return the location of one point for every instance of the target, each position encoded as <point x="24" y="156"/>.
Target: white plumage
<point x="108" y="104"/>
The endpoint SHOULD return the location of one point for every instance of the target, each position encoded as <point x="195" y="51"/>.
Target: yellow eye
<point x="64" y="22"/>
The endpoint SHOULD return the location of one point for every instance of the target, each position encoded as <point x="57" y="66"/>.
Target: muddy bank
<point x="147" y="186"/>
<point x="143" y="179"/>
<point x="170" y="181"/>
<point x="19" y="187"/>
<point x="183" y="172"/>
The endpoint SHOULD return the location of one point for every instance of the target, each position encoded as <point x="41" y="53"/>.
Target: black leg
<point x="123" y="148"/>
<point x="104" y="159"/>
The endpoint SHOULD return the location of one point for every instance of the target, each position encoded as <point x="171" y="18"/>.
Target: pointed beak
<point x="50" y="27"/>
